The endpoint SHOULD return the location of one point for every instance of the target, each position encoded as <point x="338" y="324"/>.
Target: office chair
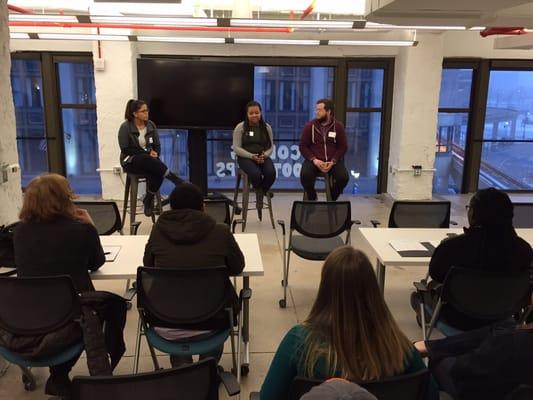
<point x="319" y="224"/>
<point x="198" y="381"/>
<point x="187" y="298"/>
<point x="37" y="306"/>
<point x="485" y="295"/>
<point x="105" y="215"/>
<point x="419" y="214"/>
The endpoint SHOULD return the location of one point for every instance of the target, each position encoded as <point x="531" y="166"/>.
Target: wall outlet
<point x="117" y="170"/>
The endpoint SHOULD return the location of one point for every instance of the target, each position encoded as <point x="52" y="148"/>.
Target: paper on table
<point x="407" y="245"/>
<point x="111" y="252"/>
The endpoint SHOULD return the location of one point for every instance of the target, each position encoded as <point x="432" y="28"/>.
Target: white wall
<point x="10" y="193"/>
<point x="417" y="82"/>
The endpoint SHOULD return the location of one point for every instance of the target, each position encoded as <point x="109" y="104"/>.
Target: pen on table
<point x="106" y="253"/>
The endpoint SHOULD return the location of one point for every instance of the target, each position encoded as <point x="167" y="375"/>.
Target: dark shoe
<point x="58" y="386"/>
<point x="268" y="193"/>
<point x="148" y="203"/>
<point x="175" y="179"/>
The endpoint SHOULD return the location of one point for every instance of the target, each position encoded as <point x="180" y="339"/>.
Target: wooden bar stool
<point x="130" y="193"/>
<point x="246" y="198"/>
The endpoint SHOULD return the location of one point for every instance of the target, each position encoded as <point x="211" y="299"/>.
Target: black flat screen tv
<point x="195" y="94"/>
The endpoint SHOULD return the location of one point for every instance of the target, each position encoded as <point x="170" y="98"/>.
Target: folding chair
<point x="523" y="215"/>
<point x="484" y="295"/>
<point x="37" y="306"/>
<point x="187" y="298"/>
<point x="419" y="214"/>
<point x="105" y="215"/>
<point x="199" y="381"/>
<point x="320" y="224"/>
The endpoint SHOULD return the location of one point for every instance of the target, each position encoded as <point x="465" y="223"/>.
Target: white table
<point x="379" y="238"/>
<point x="131" y="255"/>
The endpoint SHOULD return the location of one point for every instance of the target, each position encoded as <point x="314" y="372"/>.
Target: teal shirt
<point x="288" y="364"/>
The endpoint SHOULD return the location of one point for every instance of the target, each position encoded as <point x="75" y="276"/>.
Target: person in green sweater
<point x="349" y="333"/>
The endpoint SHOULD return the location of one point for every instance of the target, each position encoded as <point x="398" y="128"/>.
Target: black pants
<point x="262" y="176"/>
<point x="61" y="371"/>
<point x="152" y="167"/>
<point x="310" y="172"/>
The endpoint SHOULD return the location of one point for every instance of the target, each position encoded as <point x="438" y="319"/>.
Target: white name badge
<point x="251" y="133"/>
<point x="332" y="134"/>
<point x="150" y="140"/>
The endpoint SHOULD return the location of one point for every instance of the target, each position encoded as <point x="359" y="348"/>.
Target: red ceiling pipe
<point x="21" y="10"/>
<point x="309" y="9"/>
<point x="148" y="27"/>
<point x="502" y="31"/>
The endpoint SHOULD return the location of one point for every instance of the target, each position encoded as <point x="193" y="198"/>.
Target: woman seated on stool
<point x="139" y="151"/>
<point x="252" y="143"/>
<point x="349" y="333"/>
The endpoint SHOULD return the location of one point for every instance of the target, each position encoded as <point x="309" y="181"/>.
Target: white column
<point x="10" y="191"/>
<point x="115" y="85"/>
<point x="417" y="74"/>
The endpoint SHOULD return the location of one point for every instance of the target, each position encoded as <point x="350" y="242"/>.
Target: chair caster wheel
<point x="282" y="303"/>
<point x="245" y="368"/>
<point x="29" y="383"/>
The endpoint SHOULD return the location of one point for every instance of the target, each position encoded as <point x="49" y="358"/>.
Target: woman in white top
<point x="253" y="145"/>
<point x="140" y="149"/>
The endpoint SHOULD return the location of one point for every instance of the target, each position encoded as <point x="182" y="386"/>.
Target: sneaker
<point x="58" y="386"/>
<point x="148" y="203"/>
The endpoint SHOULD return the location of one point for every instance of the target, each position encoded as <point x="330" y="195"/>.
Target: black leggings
<point x="262" y="176"/>
<point x="151" y="167"/>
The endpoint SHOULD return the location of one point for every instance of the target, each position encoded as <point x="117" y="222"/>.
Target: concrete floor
<point x="269" y="323"/>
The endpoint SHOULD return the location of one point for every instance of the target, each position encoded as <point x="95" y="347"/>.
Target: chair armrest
<point x="421" y="286"/>
<point x="254" y="396"/>
<point x="453" y="222"/>
<point x="375" y="222"/>
<point x="245" y="294"/>
<point x="230" y="383"/>
<point x="130" y="294"/>
<point x="136" y="225"/>
<point x="234" y="224"/>
<point x="282" y="224"/>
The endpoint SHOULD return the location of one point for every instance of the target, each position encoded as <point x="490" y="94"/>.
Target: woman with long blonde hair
<point x="349" y="333"/>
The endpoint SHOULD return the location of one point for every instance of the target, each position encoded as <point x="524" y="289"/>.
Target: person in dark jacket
<point x="186" y="237"/>
<point x="55" y="237"/>
<point x="323" y="144"/>
<point x="253" y="143"/>
<point x="489" y="244"/>
<point x="487" y="363"/>
<point x="140" y="149"/>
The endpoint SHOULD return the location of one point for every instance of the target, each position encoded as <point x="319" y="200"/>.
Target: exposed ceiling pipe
<point x="20" y="10"/>
<point x="148" y="27"/>
<point x="502" y="31"/>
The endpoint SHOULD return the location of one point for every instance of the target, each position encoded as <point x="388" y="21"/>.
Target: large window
<point x="174" y="154"/>
<point x="364" y="115"/>
<point x="452" y="129"/>
<point x="507" y="144"/>
<point x="27" y="84"/>
<point x="78" y="117"/>
<point x="288" y="95"/>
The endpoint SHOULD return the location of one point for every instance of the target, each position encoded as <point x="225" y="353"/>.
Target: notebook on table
<point x="111" y="253"/>
<point x="414" y="248"/>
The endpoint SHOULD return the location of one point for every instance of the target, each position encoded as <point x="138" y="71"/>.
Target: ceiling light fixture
<point x="305" y="42"/>
<point x="42" y="18"/>
<point x="277" y="23"/>
<point x="374" y="25"/>
<point x="177" y="39"/>
<point x="396" y="43"/>
<point x="167" y="21"/>
<point x="19" y="35"/>
<point x="66" y="36"/>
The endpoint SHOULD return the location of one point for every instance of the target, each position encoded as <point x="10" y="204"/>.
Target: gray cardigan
<point x="237" y="141"/>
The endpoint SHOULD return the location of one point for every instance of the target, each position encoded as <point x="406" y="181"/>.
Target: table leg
<point x="246" y="325"/>
<point x="380" y="275"/>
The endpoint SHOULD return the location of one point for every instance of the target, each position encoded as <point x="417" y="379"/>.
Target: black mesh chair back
<point x="485" y="295"/>
<point x="321" y="219"/>
<point x="523" y="215"/>
<point x="402" y="387"/>
<point x="105" y="215"/>
<point x="523" y="392"/>
<point x="420" y="214"/>
<point x="182" y="297"/>
<point x="37" y="305"/>
<point x="197" y="381"/>
<point x="219" y="210"/>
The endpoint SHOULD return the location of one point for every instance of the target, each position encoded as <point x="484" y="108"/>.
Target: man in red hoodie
<point x="323" y="144"/>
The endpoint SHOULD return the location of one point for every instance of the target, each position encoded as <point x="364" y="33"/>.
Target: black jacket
<point x="481" y="249"/>
<point x="128" y="140"/>
<point x="190" y="238"/>
<point x="58" y="247"/>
